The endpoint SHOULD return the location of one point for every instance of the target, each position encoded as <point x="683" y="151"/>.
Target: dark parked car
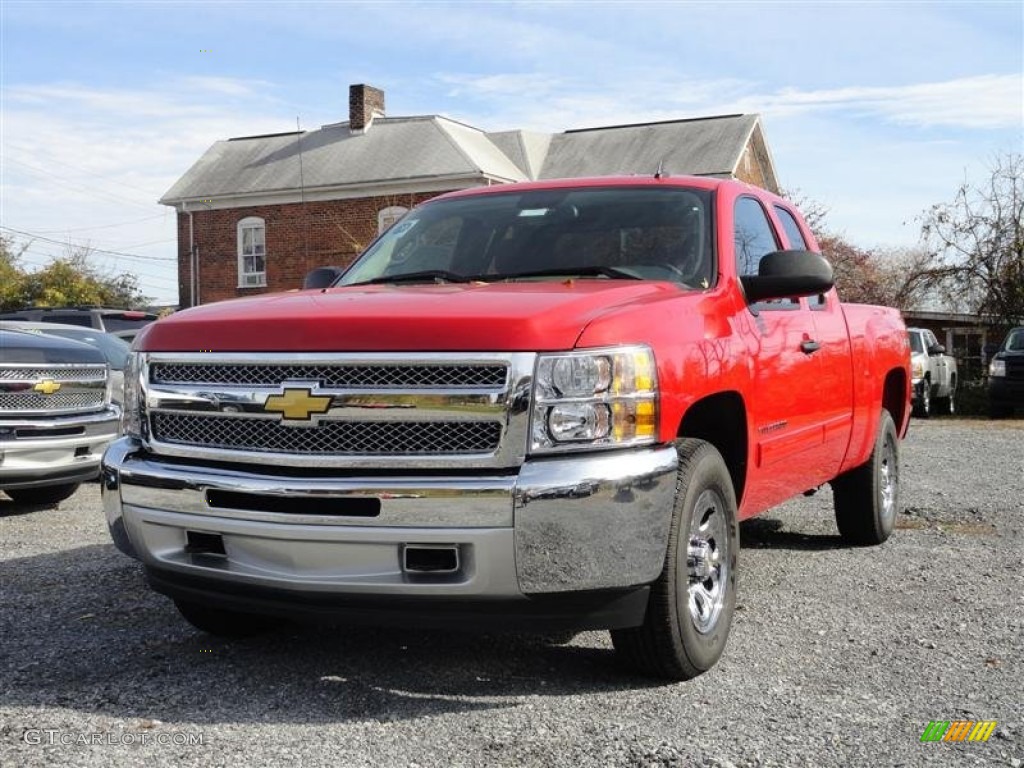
<point x="120" y="322"/>
<point x="1006" y="375"/>
<point x="56" y="417"/>
<point x="114" y="348"/>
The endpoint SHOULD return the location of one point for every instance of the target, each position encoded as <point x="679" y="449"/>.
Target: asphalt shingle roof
<point x="428" y="147"/>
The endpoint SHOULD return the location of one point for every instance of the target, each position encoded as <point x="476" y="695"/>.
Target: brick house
<point x="256" y="213"/>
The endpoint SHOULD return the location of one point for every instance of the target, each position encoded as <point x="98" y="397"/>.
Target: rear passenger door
<point x="833" y="359"/>
<point x="783" y="403"/>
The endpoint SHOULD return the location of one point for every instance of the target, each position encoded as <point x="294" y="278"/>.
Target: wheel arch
<point x="721" y="419"/>
<point x="895" y="400"/>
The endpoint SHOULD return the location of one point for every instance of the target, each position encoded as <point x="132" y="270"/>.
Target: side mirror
<point x="321" y="277"/>
<point x="783" y="274"/>
<point x="936" y="349"/>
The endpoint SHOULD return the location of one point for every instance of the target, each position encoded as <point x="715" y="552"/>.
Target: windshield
<point x="916" y="344"/>
<point x="127" y="321"/>
<point x="1015" y="341"/>
<point x="621" y="232"/>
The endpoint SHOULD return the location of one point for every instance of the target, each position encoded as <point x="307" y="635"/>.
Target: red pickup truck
<point x="535" y="405"/>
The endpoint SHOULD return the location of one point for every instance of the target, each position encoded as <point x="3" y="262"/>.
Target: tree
<point x="67" y="280"/>
<point x="12" y="276"/>
<point x="893" y="277"/>
<point x="976" y="243"/>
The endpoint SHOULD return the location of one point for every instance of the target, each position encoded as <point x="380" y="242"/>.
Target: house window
<point x="388" y="216"/>
<point x="252" y="253"/>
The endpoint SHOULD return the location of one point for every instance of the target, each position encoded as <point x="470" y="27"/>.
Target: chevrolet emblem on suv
<point x="298" y="404"/>
<point x="47" y="386"/>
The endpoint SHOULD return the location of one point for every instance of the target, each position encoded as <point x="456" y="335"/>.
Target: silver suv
<point x="56" y="417"/>
<point x="119" y="322"/>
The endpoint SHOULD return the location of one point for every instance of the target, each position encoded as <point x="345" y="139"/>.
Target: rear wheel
<point x="690" y="609"/>
<point x="51" y="494"/>
<point x="224" y="623"/>
<point x="867" y="499"/>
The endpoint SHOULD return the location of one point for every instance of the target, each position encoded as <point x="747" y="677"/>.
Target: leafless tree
<point x="976" y="243"/>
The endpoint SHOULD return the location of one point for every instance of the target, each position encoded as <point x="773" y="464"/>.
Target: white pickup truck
<point x="934" y="374"/>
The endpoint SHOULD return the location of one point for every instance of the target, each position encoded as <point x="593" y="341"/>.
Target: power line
<point x="85" y="246"/>
<point x="105" y="226"/>
<point x="37" y="253"/>
<point x="31" y="151"/>
<point x="79" y="187"/>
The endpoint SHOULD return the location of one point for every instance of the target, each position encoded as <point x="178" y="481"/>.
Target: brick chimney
<point x="364" y="103"/>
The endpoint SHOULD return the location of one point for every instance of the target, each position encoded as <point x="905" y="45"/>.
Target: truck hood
<point x="500" y="317"/>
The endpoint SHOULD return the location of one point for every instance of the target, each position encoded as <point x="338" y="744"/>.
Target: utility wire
<point x="80" y="187"/>
<point x="103" y="226"/>
<point x="37" y="236"/>
<point x="37" y="255"/>
<point x="32" y="152"/>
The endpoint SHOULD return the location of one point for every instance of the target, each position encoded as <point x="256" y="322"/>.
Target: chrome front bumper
<point x="39" y="452"/>
<point x="568" y="524"/>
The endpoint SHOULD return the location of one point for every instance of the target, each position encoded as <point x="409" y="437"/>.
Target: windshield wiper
<point x="613" y="272"/>
<point x="425" y="276"/>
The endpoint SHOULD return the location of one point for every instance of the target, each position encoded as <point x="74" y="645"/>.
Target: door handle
<point x="808" y="347"/>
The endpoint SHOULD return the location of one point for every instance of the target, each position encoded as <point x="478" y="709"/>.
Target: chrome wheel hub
<point x="707" y="561"/>
<point x="889" y="480"/>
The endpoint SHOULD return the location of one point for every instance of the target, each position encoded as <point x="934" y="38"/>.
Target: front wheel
<point x="690" y="608"/>
<point x="924" y="400"/>
<point x="50" y="494"/>
<point x="867" y="499"/>
<point x="947" y="403"/>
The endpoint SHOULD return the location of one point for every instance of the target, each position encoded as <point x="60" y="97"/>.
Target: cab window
<point x="754" y="238"/>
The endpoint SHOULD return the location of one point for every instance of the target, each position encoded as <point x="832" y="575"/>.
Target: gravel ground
<point x="838" y="656"/>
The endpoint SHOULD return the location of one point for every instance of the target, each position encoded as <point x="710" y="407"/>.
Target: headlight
<point x="131" y="413"/>
<point x="997" y="368"/>
<point x="599" y="398"/>
<point x="917" y="370"/>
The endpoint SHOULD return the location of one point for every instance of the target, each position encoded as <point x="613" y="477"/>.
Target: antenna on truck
<point x="660" y="173"/>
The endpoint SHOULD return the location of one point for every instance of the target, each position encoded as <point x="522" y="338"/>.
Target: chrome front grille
<point x="340" y="438"/>
<point x="51" y="390"/>
<point x="340" y="410"/>
<point x="76" y="373"/>
<point x="348" y="376"/>
<point x="59" y="401"/>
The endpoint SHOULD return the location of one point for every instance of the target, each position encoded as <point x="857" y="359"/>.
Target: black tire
<point x="50" y="494"/>
<point x="224" y="623"/>
<point x="867" y="499"/>
<point x="671" y="643"/>
<point x="924" y="402"/>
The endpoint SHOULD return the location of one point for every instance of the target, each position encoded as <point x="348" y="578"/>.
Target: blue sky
<point x="877" y="110"/>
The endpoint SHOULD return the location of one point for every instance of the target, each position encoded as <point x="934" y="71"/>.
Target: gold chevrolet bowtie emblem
<point x="47" y="386"/>
<point x="299" y="404"/>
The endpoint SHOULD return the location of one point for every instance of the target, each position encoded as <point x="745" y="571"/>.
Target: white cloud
<point x="532" y="100"/>
<point x="984" y="101"/>
<point x="76" y="157"/>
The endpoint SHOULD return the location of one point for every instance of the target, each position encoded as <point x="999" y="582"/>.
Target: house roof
<point x="702" y="147"/>
<point x="404" y="149"/>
